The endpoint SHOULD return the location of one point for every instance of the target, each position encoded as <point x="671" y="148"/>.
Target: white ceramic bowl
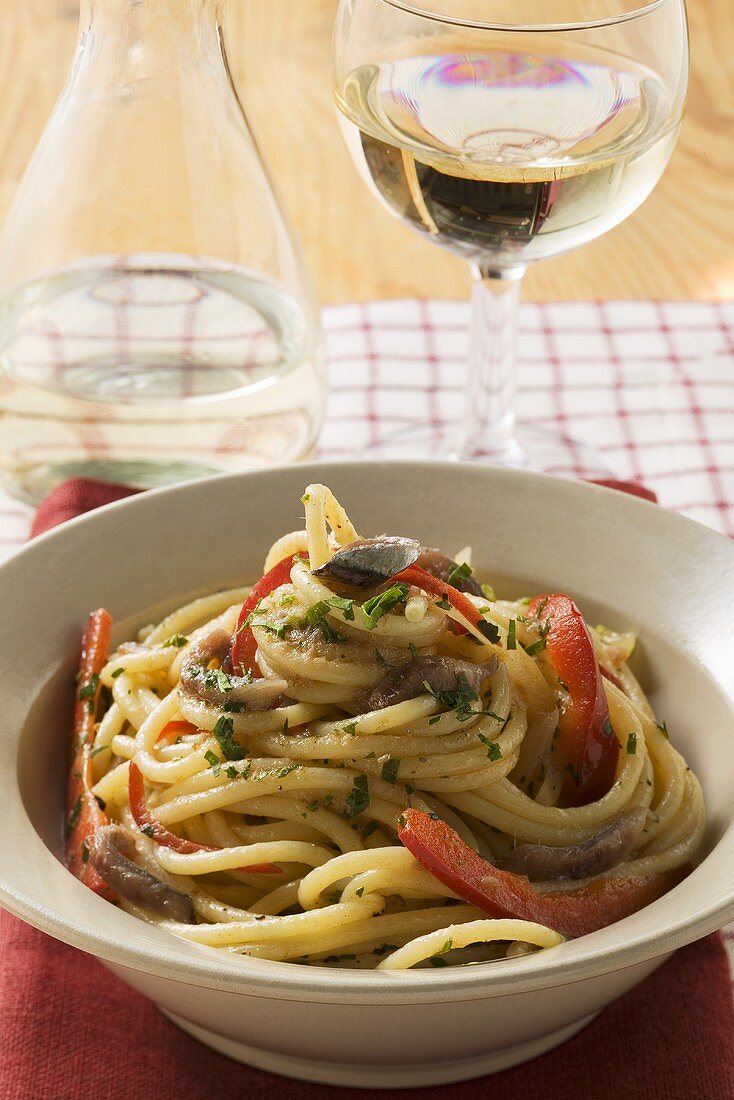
<point x="630" y="564"/>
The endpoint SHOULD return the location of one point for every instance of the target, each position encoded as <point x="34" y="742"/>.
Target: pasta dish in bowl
<point x="368" y="760"/>
<point x="325" y="779"/>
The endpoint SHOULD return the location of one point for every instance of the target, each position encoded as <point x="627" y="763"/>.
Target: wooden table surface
<point x="679" y="245"/>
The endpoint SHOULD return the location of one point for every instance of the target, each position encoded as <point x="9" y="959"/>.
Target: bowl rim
<point x="589" y="956"/>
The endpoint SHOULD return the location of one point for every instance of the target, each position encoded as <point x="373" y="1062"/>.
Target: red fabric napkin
<point x="69" y="1030"/>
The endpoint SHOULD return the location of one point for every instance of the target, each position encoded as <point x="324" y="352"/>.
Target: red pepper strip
<point x="420" y="578"/>
<point x="172" y="730"/>
<point x="503" y="894"/>
<point x="244" y="646"/>
<point x="83" y="813"/>
<point x="587" y="746"/>
<point x="161" y="835"/>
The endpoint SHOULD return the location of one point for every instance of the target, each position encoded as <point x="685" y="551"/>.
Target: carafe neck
<point x="151" y="32"/>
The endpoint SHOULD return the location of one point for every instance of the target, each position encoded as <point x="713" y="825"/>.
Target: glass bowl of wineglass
<point x="507" y="132"/>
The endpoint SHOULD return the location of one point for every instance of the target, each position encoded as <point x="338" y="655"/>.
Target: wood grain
<point x="679" y="245"/>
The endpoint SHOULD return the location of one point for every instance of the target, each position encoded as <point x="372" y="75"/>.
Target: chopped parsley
<point x="511" y="639"/>
<point x="536" y="647"/>
<point x="390" y="770"/>
<point x="318" y="617"/>
<point x="494" y="752"/>
<point x="437" y="960"/>
<point x="662" y="726"/>
<point x="231" y="772"/>
<point x="117" y="672"/>
<point x="233" y="706"/>
<point x="359" y="891"/>
<point x="436" y="718"/>
<point x="224" y="733"/>
<point x="98" y="750"/>
<point x="374" y="608"/>
<point x="212" y="759"/>
<point x="459" y="573"/>
<point x="383" y="661"/>
<point x="149" y="830"/>
<point x="444" y="604"/>
<point x="488" y="592"/>
<point x="74" y="815"/>
<point x="287" y="599"/>
<point x="343" y="605"/>
<point x="607" y="729"/>
<point x="369" y="829"/>
<point x="277" y="631"/>
<point x="281" y="773"/>
<point x="358" y="799"/>
<point x="632" y="744"/>
<point x="445" y="947"/>
<point x="350" y="728"/>
<point x="176" y="641"/>
<point x="89" y="690"/>
<point x="459" y="700"/>
<point x="215" y="678"/>
<point x="489" y="630"/>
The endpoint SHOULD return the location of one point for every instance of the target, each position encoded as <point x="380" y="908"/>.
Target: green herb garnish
<point x="511" y="639"/>
<point x="358" y="799"/>
<point x="458" y="573"/>
<point x="390" y="770"/>
<point x="176" y="641"/>
<point x="383" y="661"/>
<point x="494" y="752"/>
<point x="212" y="759"/>
<point x="343" y="605"/>
<point x="459" y="700"/>
<point x="89" y="690"/>
<point x="318" y="617"/>
<point x="117" y="672"/>
<point x="224" y="733"/>
<point x="374" y="608"/>
<point x="536" y="647"/>
<point x="632" y="744"/>
<point x="215" y="678"/>
<point x="74" y="815"/>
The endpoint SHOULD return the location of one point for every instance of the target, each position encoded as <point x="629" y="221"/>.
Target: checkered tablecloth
<point x="650" y="385"/>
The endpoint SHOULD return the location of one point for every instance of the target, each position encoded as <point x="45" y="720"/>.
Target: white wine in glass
<point x="507" y="143"/>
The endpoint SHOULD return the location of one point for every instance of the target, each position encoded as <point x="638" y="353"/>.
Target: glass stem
<point x="489" y="419"/>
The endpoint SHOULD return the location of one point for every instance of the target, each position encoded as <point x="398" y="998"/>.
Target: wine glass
<point x="508" y="131"/>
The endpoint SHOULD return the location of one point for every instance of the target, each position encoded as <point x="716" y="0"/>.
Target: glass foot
<point x="538" y="449"/>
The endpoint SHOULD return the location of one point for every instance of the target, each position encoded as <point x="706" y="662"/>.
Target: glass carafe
<point x="156" y="319"/>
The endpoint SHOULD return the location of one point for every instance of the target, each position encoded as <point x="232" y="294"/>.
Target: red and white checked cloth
<point x="650" y="385"/>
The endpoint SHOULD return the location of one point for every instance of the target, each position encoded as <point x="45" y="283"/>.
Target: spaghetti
<point x="369" y="760"/>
